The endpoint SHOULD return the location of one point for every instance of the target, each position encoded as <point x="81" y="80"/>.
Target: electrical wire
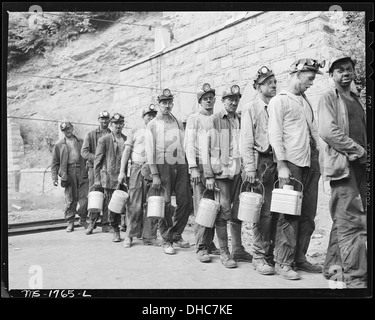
<point x="50" y="120"/>
<point x="97" y="82"/>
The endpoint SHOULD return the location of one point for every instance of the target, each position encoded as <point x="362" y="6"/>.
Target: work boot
<point x="83" y="223"/>
<point x="182" y="243"/>
<point x="226" y="259"/>
<point x="90" y="228"/>
<point x="203" y="256"/>
<point x="262" y="267"/>
<point x="106" y="228"/>
<point x="168" y="248"/>
<point x="127" y="242"/>
<point x="308" y="267"/>
<point x="213" y="249"/>
<point x="70" y="226"/>
<point x="243" y="256"/>
<point x="286" y="272"/>
<point x="116" y="236"/>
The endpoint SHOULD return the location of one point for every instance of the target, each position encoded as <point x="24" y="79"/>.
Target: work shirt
<point x="195" y="138"/>
<point x="223" y="133"/>
<point x="291" y="124"/>
<point x="164" y="142"/>
<point x="73" y="151"/>
<point x="254" y="133"/>
<point x="357" y="121"/>
<point x="137" y="142"/>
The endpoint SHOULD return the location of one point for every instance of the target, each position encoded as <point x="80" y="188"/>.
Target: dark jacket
<point x="60" y="160"/>
<point x="334" y="130"/>
<point x="89" y="145"/>
<point x="107" y="161"/>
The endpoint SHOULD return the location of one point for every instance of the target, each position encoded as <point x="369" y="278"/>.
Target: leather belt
<point x="75" y="165"/>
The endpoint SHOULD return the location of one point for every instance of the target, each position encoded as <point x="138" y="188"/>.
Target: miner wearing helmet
<point x="88" y="153"/>
<point x="293" y="135"/>
<point x="259" y="166"/>
<point x="138" y="225"/>
<point x="342" y="126"/>
<point x="107" y="168"/>
<point x="195" y="139"/>
<point x="166" y="159"/>
<point x="222" y="170"/>
<point x="70" y="166"/>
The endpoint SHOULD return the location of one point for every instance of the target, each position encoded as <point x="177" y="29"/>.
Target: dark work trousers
<point x="95" y="215"/>
<point x="138" y="225"/>
<point x="347" y="246"/>
<point x="203" y="235"/>
<point x="75" y="194"/>
<point x="229" y="201"/>
<point x="293" y="233"/>
<point x="264" y="231"/>
<point x="174" y="177"/>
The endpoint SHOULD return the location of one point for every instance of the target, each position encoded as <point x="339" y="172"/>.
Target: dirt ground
<point x="38" y="199"/>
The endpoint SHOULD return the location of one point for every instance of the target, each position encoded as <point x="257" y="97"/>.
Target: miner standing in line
<point x="107" y="168"/>
<point x="88" y="153"/>
<point x="293" y="135"/>
<point x="342" y="126"/>
<point x="138" y="225"/>
<point x="166" y="158"/>
<point x="222" y="168"/>
<point x="70" y="166"/>
<point x="257" y="156"/>
<point x="195" y="140"/>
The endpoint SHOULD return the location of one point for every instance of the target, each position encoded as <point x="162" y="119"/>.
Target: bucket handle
<point x="124" y="184"/>
<point x="94" y="186"/>
<point x="253" y="188"/>
<point x="291" y="178"/>
<point x="154" y="188"/>
<point x="215" y="189"/>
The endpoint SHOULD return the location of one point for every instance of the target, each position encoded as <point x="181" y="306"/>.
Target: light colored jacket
<point x="254" y="134"/>
<point x="334" y="131"/>
<point x="222" y="156"/>
<point x="291" y="123"/>
<point x="195" y="138"/>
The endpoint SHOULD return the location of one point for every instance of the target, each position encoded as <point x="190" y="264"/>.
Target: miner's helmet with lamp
<point x="206" y="88"/>
<point x="233" y="91"/>
<point x="104" y="114"/>
<point x="65" y="124"/>
<point x="307" y="64"/>
<point x="340" y="58"/>
<point x="262" y="74"/>
<point x="165" y="95"/>
<point x="117" y="117"/>
<point x="150" y="109"/>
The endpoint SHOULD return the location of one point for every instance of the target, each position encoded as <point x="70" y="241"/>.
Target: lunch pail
<point x="118" y="200"/>
<point x="250" y="204"/>
<point x="287" y="200"/>
<point x="207" y="211"/>
<point x="155" y="205"/>
<point x="95" y="201"/>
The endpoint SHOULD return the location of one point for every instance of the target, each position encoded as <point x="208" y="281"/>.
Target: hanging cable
<point x="97" y="82"/>
<point x="50" y="120"/>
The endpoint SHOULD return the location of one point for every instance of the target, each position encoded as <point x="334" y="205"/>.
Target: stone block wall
<point x="228" y="53"/>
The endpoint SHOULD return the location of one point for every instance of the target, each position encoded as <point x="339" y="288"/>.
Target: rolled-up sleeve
<point x="150" y="147"/>
<point x="247" y="141"/>
<point x="275" y="127"/>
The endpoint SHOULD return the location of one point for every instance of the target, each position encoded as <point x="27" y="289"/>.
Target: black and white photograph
<point x="186" y="150"/>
